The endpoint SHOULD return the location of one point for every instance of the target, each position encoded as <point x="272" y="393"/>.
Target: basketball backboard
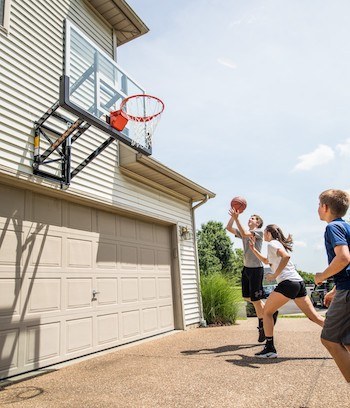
<point x="93" y="84"/>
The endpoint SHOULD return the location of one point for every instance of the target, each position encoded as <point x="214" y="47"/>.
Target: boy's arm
<point x="329" y="297"/>
<point x="339" y="262"/>
<point x="229" y="226"/>
<point x="234" y="215"/>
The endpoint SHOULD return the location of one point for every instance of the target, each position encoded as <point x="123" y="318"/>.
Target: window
<point x="4" y="14"/>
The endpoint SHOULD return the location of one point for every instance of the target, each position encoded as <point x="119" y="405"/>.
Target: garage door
<point x="75" y="280"/>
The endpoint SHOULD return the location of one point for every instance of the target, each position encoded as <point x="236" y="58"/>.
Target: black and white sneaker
<point x="267" y="352"/>
<point x="262" y="336"/>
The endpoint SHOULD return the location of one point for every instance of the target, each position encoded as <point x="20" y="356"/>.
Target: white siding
<point x="29" y="81"/>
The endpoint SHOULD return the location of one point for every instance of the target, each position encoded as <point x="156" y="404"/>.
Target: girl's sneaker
<point x="267" y="352"/>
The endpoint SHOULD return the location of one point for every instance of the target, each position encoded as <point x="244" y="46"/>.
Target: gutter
<point x="202" y="321"/>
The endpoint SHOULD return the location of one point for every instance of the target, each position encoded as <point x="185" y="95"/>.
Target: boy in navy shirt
<point x="335" y="335"/>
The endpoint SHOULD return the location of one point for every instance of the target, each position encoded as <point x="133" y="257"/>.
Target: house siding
<point x="31" y="65"/>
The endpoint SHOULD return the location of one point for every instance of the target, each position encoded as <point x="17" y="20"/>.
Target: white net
<point x="144" y="113"/>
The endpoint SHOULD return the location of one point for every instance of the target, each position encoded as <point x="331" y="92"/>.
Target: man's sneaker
<point x="262" y="337"/>
<point x="267" y="352"/>
<point x="275" y="317"/>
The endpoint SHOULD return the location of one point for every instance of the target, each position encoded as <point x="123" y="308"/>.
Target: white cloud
<point x="344" y="148"/>
<point x="301" y="244"/>
<point x="227" y="63"/>
<point x="321" y="155"/>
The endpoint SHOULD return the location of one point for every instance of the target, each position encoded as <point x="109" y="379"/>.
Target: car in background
<point x="319" y="292"/>
<point x="250" y="310"/>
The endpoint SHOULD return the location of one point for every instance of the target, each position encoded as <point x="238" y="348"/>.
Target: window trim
<point x="6" y="23"/>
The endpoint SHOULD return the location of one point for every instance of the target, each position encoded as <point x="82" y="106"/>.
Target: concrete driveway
<point x="207" y="367"/>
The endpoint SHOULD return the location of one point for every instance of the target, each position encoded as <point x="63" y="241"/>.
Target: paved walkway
<point x="211" y="367"/>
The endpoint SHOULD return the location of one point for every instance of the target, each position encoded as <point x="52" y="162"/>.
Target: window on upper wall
<point x="4" y="14"/>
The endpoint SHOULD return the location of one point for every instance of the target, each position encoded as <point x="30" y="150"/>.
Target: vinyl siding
<point x="30" y="68"/>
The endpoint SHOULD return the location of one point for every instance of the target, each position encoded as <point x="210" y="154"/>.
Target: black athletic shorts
<point x="291" y="289"/>
<point x="252" y="287"/>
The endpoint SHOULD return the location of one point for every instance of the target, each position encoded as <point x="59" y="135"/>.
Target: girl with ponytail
<point x="290" y="284"/>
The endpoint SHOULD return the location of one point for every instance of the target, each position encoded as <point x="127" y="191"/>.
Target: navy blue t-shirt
<point x="338" y="233"/>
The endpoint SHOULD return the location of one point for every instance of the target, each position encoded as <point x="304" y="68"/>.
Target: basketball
<point x="239" y="204"/>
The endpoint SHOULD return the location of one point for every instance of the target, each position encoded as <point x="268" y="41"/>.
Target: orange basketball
<point x="239" y="204"/>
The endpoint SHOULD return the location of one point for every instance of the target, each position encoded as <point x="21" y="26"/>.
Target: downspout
<point x="202" y="321"/>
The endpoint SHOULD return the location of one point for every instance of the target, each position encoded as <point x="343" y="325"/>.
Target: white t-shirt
<point x="289" y="272"/>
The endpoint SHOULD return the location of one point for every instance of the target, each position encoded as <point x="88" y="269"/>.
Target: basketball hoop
<point x="142" y="113"/>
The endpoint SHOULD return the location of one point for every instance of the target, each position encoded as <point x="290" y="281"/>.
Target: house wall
<point x="31" y="64"/>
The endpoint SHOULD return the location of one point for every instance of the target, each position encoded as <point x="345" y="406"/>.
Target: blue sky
<point x="257" y="105"/>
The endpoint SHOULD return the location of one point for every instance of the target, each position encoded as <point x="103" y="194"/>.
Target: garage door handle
<point x="94" y="293"/>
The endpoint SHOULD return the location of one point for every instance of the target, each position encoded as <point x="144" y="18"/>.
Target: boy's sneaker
<point x="262" y="337"/>
<point x="267" y="352"/>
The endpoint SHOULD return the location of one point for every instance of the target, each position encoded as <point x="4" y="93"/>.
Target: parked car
<point x="319" y="292"/>
<point x="250" y="308"/>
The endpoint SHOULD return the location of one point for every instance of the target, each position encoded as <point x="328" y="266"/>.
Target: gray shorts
<point x="337" y="324"/>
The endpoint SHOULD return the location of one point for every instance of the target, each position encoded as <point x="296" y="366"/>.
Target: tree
<point x="216" y="253"/>
<point x="308" y="277"/>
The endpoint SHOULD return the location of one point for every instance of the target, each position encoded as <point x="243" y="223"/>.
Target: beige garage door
<point x="75" y="280"/>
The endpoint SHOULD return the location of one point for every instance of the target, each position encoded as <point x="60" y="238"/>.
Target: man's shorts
<point x="337" y="324"/>
<point x="291" y="289"/>
<point x="252" y="286"/>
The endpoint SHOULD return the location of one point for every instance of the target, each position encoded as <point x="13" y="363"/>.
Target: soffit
<point x="157" y="175"/>
<point x="122" y="17"/>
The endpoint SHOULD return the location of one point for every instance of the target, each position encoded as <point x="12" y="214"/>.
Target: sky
<point x="257" y="102"/>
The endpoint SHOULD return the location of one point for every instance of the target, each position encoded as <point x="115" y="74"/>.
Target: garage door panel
<point x="11" y="248"/>
<point x="9" y="350"/>
<point x="129" y="289"/>
<point x="130" y="324"/>
<point x="12" y="204"/>
<point x="164" y="288"/>
<point x="148" y="289"/>
<point x="166" y="318"/>
<point x="45" y="295"/>
<point x="147" y="259"/>
<point x="42" y="342"/>
<point x="79" y="335"/>
<point x="107" y="255"/>
<point x="79" y="217"/>
<point x="107" y="328"/>
<point x="162" y="236"/>
<point x="79" y="253"/>
<point x="46" y="251"/>
<point x="106" y="224"/>
<point x="47" y="210"/>
<point x="10" y="297"/>
<point x="150" y="319"/>
<point x="145" y="232"/>
<point x="108" y="291"/>
<point x="127" y="229"/>
<point x="164" y="261"/>
<point x="79" y="293"/>
<point x="128" y="257"/>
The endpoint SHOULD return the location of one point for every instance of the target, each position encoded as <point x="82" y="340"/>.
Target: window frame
<point x="5" y="24"/>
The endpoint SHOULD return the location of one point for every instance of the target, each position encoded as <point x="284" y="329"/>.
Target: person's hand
<point x="318" y="278"/>
<point x="328" y="298"/>
<point x="270" y="277"/>
<point x="233" y="213"/>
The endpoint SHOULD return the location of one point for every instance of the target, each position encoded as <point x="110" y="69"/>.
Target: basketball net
<point x="143" y="113"/>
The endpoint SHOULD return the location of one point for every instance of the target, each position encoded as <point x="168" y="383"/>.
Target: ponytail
<point x="278" y="235"/>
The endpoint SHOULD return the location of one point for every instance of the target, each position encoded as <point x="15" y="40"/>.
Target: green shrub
<point x="220" y="299"/>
